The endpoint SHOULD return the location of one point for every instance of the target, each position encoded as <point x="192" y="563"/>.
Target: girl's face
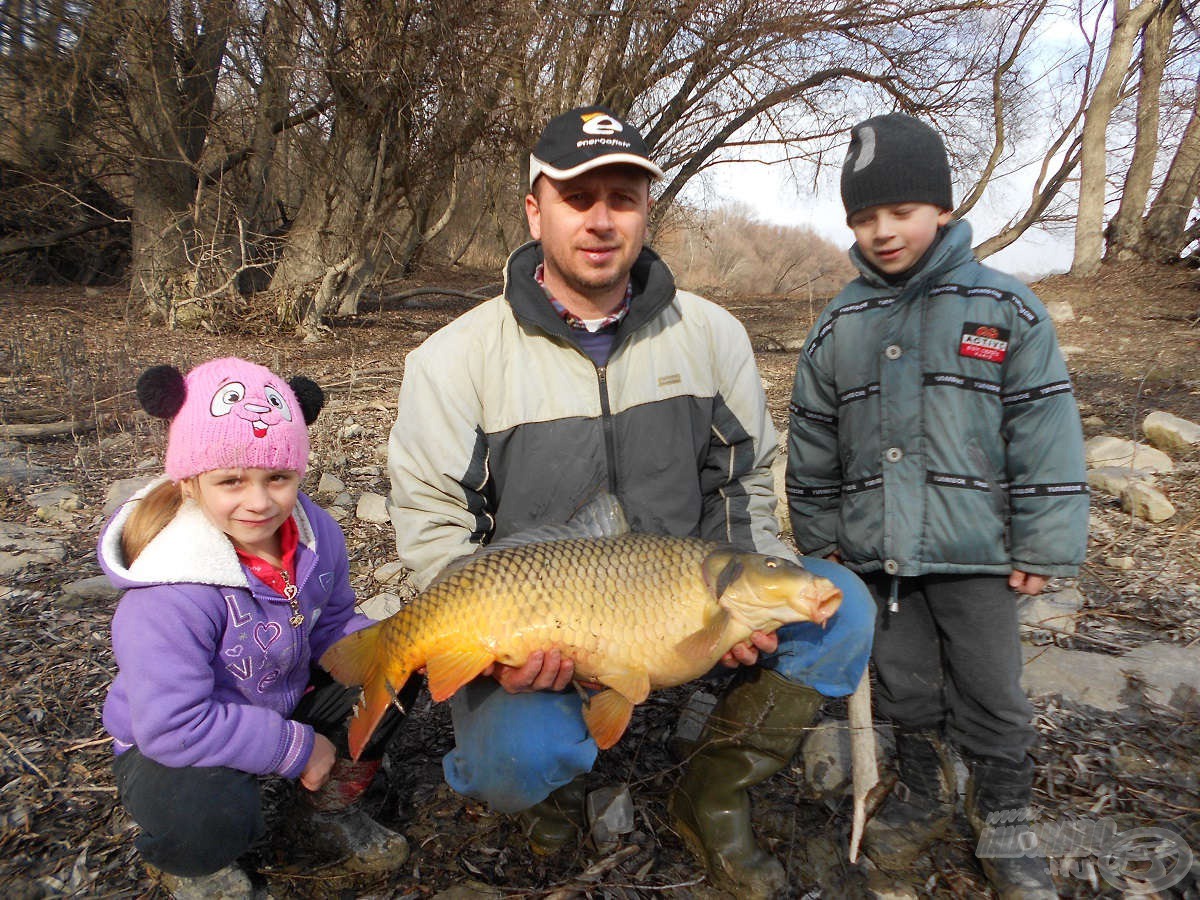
<point x="249" y="505"/>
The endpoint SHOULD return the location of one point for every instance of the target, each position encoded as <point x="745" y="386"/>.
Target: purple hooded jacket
<point x="209" y="668"/>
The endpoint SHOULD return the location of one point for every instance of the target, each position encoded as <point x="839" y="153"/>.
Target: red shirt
<point x="268" y="574"/>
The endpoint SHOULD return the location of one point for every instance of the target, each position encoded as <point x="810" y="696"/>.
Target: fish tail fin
<point x="352" y="659"/>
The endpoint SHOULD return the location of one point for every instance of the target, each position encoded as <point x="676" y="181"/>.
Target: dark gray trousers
<point x="950" y="659"/>
<point x="195" y="820"/>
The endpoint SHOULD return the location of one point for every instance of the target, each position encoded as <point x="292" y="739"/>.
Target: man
<point x="593" y="372"/>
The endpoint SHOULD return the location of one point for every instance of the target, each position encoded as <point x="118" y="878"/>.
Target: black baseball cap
<point x="586" y="138"/>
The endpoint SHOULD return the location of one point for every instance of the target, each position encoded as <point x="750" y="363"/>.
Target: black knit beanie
<point x="895" y="159"/>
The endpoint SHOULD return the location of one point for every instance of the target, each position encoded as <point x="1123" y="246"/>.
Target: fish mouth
<point x="826" y="605"/>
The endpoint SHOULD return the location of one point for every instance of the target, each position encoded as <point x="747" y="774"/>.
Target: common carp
<point x="633" y="611"/>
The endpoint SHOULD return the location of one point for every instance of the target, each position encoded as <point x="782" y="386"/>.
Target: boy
<point x="935" y="447"/>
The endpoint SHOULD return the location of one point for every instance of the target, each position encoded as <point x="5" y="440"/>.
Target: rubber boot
<point x="920" y="807"/>
<point x="333" y="823"/>
<point x="555" y="822"/>
<point x="752" y="733"/>
<point x="229" y="883"/>
<point x="999" y="793"/>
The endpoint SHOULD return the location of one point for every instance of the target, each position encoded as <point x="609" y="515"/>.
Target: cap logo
<point x="866" y="150"/>
<point x="600" y="124"/>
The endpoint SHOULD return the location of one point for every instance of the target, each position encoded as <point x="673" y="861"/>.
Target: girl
<point x="235" y="584"/>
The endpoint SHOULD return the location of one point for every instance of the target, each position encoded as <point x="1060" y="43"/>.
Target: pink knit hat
<point x="230" y="413"/>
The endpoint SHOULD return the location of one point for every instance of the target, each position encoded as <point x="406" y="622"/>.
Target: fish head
<point x="764" y="592"/>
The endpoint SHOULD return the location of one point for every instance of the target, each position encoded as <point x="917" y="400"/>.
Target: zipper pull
<point x="289" y="593"/>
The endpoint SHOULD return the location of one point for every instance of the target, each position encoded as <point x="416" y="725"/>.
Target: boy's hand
<point x="1026" y="583"/>
<point x="746" y="653"/>
<point x="320" y="762"/>
<point x="543" y="671"/>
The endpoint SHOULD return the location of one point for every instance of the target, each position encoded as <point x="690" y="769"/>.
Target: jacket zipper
<point x="610" y="439"/>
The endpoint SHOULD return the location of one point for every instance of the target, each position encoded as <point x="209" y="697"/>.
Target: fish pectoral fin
<point x="702" y="644"/>
<point x="607" y="716"/>
<point x="633" y="685"/>
<point x="449" y="671"/>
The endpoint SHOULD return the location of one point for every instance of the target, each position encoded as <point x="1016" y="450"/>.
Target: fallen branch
<point x="404" y="296"/>
<point x="865" y="768"/>
<point x="49" y="429"/>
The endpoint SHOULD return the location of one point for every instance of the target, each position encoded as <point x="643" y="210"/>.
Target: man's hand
<point x="320" y="763"/>
<point x="1026" y="583"/>
<point x="746" y="653"/>
<point x="543" y="671"/>
<point x="835" y="556"/>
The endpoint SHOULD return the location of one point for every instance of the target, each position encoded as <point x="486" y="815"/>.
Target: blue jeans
<point x="512" y="750"/>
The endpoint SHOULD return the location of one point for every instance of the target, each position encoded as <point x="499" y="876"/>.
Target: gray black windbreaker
<point x="932" y="426"/>
<point x="504" y="423"/>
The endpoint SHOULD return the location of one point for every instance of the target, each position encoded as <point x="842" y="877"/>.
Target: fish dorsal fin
<point x="607" y="715"/>
<point x="602" y="516"/>
<point x="701" y="644"/>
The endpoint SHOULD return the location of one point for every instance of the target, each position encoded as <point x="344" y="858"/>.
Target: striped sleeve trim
<point x="858" y="393"/>
<point x="850" y="487"/>
<point x="1048" y="490"/>
<point x="1037" y="393"/>
<point x="961" y="290"/>
<point x="811" y="415"/>
<point x="849" y="309"/>
<point x="295" y="749"/>
<point x="963" y="382"/>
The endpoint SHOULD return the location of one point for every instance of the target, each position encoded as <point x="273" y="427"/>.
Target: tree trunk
<point x="1089" y="222"/>
<point x="1125" y="230"/>
<point x="1163" y="236"/>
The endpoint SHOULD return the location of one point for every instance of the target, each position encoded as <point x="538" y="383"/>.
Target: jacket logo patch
<point x="986" y="342"/>
<point x="669" y="379"/>
<point x="326" y="581"/>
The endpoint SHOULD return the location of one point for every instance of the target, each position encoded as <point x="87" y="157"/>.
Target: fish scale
<point x="633" y="612"/>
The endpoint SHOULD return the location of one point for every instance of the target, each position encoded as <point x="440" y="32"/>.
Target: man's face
<point x="894" y="236"/>
<point x="592" y="228"/>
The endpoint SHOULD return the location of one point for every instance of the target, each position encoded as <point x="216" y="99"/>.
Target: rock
<point x="469" y="890"/>
<point x="1093" y="422"/>
<point x="1171" y="433"/>
<point x="60" y="498"/>
<point x="22" y="546"/>
<point x="121" y="490"/>
<point x="1079" y="676"/>
<point x="1125" y="563"/>
<point x="1114" y="479"/>
<point x="330" y="484"/>
<point x="98" y="587"/>
<point x="150" y="462"/>
<point x="882" y="886"/>
<point x="1165" y="668"/>
<point x="389" y="572"/>
<point x="1146" y="502"/>
<point x="1060" y="310"/>
<point x="343" y="500"/>
<point x="1055" y="611"/>
<point x="338" y="513"/>
<point x="381" y="605"/>
<point x="119" y="441"/>
<point x="691" y="722"/>
<point x="610" y="815"/>
<point x="371" y="471"/>
<point x="826" y="755"/>
<point x="1069" y="350"/>
<point x="1106" y="450"/>
<point x="372" y="508"/>
<point x="14" y="470"/>
<point x="350" y="430"/>
<point x="380" y="454"/>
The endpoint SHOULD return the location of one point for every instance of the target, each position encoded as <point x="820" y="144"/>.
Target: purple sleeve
<point x="339" y="617"/>
<point x="165" y="641"/>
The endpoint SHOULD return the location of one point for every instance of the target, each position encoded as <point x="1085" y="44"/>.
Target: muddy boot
<point x="333" y="823"/>
<point x="920" y="806"/>
<point x="229" y="883"/>
<point x="752" y="733"/>
<point x="999" y="794"/>
<point x="555" y="822"/>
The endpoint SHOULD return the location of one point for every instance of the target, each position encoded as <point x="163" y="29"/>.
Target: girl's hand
<point x="320" y="763"/>
<point x="746" y="653"/>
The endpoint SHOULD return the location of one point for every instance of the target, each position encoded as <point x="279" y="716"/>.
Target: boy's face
<point x="894" y="236"/>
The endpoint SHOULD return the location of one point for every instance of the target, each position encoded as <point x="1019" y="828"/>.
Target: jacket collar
<point x="952" y="250"/>
<point x="189" y="550"/>
<point x="653" y="289"/>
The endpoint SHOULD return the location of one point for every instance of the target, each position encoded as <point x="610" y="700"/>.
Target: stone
<point x="610" y="815"/>
<point x="1069" y="350"/>
<point x="371" y="471"/>
<point x="1093" y="679"/>
<point x="22" y="546"/>
<point x="98" y="587"/>
<point x="1147" y="502"/>
<point x="469" y="890"/>
<point x="338" y="513"/>
<point x="372" y="508"/>
<point x="121" y="490"/>
<point x="119" y="441"/>
<point x="343" y="500"/>
<point x="60" y="497"/>
<point x="1093" y="422"/>
<point x="1170" y="433"/>
<point x="826" y="755"/>
<point x="1060" y="310"/>
<point x="1054" y="611"/>
<point x="15" y="470"/>
<point x="380" y="454"/>
<point x="1124" y="563"/>
<point x="381" y="605"/>
<point x="330" y="485"/>
<point x="1114" y="479"/>
<point x="350" y="430"/>
<point x="1106" y="450"/>
<point x="1166" y="668"/>
<point x="389" y="572"/>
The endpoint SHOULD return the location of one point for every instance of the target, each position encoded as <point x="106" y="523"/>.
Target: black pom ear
<point x="310" y="395"/>
<point x="161" y="391"/>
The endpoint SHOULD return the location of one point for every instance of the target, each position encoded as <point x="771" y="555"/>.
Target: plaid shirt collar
<point x="539" y="275"/>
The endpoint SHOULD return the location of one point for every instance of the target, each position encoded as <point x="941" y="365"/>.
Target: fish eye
<point x="771" y="563"/>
